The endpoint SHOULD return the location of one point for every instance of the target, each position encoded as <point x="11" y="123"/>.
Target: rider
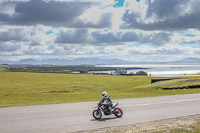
<point x="106" y="98"/>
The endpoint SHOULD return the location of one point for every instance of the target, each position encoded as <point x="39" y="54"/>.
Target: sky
<point x="133" y="30"/>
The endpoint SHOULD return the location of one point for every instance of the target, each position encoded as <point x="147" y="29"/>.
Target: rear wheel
<point x="97" y="114"/>
<point x="118" y="112"/>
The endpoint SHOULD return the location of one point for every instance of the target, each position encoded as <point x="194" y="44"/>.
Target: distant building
<point x="84" y="71"/>
<point x="141" y="73"/>
<point x="12" y="68"/>
<point x="120" y="71"/>
<point x="67" y="71"/>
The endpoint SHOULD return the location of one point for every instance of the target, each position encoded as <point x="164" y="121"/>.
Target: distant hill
<point x="28" y="61"/>
<point x="78" y="61"/>
<point x="95" y="61"/>
<point x="189" y="60"/>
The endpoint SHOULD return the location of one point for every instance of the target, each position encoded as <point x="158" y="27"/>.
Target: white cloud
<point x="87" y="28"/>
<point x="170" y="15"/>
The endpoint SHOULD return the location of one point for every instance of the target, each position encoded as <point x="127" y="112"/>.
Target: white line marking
<point x="178" y="101"/>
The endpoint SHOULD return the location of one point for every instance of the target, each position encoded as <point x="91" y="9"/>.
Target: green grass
<point x="3" y="68"/>
<point x="55" y="69"/>
<point x="23" y="88"/>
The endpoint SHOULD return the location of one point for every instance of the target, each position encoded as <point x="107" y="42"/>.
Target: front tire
<point x="97" y="114"/>
<point x="118" y="112"/>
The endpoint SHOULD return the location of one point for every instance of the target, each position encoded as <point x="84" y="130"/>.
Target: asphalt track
<point x="62" y="118"/>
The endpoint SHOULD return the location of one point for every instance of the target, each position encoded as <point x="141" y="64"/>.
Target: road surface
<point x="63" y="118"/>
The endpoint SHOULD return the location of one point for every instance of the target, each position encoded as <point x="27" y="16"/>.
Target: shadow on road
<point x="105" y="119"/>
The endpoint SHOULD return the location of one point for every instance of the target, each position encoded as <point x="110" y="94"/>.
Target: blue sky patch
<point x="49" y="32"/>
<point x="185" y="33"/>
<point x="190" y="45"/>
<point x="134" y="45"/>
<point x="138" y="0"/>
<point x="138" y="45"/>
<point x="189" y="35"/>
<point x="184" y="45"/>
<point x="119" y="3"/>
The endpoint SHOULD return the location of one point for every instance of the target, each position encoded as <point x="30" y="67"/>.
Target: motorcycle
<point x="107" y="110"/>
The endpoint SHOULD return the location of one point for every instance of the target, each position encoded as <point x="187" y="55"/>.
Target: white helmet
<point x="104" y="94"/>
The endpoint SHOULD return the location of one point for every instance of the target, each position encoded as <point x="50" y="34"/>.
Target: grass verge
<point x="3" y="69"/>
<point x="23" y="88"/>
<point x="185" y="124"/>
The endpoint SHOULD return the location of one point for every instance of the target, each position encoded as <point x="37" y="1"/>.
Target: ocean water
<point x="163" y="70"/>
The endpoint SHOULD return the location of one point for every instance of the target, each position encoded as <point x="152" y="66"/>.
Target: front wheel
<point x="97" y="114"/>
<point x="118" y="112"/>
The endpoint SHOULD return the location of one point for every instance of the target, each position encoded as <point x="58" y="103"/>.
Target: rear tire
<point x="118" y="112"/>
<point x="97" y="114"/>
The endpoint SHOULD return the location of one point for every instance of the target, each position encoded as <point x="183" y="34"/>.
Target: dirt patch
<point x="186" y="123"/>
<point x="88" y="87"/>
<point x="57" y="91"/>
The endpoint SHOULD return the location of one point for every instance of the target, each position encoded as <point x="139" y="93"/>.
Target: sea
<point x="161" y="70"/>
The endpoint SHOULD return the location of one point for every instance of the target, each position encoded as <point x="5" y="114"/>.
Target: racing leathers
<point x="107" y="100"/>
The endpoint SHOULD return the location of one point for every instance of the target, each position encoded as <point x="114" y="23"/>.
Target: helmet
<point x="104" y="94"/>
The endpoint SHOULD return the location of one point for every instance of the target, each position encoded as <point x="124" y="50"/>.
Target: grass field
<point x="55" y="69"/>
<point x="3" y="68"/>
<point x="23" y="88"/>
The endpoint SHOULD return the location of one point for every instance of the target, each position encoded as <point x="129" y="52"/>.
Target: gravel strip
<point x="186" y="123"/>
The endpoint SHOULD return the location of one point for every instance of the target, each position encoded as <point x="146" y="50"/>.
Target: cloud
<point x="108" y="37"/>
<point x="165" y="51"/>
<point x="8" y="47"/>
<point x="155" y="38"/>
<point x="114" y="37"/>
<point x="95" y="37"/>
<point x="13" y="34"/>
<point x="70" y="36"/>
<point x="170" y="15"/>
<point x="87" y="28"/>
<point x="52" y="13"/>
<point x="103" y="20"/>
<point x="104" y="37"/>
